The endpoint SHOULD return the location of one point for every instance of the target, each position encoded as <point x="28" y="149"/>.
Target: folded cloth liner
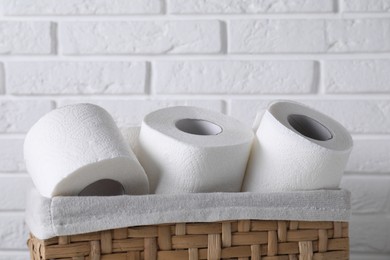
<point x="59" y="216"/>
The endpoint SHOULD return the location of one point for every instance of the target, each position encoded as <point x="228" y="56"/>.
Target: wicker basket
<point x="240" y="239"/>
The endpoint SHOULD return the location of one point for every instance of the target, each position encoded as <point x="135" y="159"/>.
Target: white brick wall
<point x="356" y="6"/>
<point x="84" y="7"/>
<point x="22" y="37"/>
<point x="357" y="76"/>
<point x="139" y="37"/>
<point x="17" y="115"/>
<point x="13" y="191"/>
<point x="233" y="56"/>
<point x="11" y="154"/>
<point x="62" y="78"/>
<point x="271" y="36"/>
<point x="249" y="7"/>
<point x="13" y="231"/>
<point x="234" y="77"/>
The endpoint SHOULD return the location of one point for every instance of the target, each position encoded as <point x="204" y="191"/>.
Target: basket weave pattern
<point x="239" y="239"/>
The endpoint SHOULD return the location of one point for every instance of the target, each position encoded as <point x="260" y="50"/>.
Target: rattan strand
<point x="240" y="239"/>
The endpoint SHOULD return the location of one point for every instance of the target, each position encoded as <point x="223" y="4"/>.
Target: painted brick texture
<point x="356" y="6"/>
<point x="133" y="57"/>
<point x="357" y="76"/>
<point x="234" y="77"/>
<point x="85" y="7"/>
<point x="140" y="37"/>
<point x="248" y="7"/>
<point x="62" y="78"/>
<point x="17" y="116"/>
<point x="309" y="36"/>
<point x="21" y="37"/>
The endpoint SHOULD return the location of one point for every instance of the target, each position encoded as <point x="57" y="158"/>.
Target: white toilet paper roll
<point x="297" y="148"/>
<point x="131" y="134"/>
<point x="78" y="149"/>
<point x="189" y="149"/>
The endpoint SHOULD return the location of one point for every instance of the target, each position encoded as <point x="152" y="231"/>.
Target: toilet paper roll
<point x="78" y="149"/>
<point x="189" y="149"/>
<point x="297" y="148"/>
<point x="131" y="134"/>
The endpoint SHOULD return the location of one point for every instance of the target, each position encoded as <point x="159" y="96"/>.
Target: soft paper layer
<point x="77" y="145"/>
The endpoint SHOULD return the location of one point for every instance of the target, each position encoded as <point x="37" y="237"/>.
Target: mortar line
<point x="302" y="96"/>
<point x="201" y="57"/>
<point x="200" y="16"/>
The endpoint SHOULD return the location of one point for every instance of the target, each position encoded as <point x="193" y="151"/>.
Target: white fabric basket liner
<point x="59" y="216"/>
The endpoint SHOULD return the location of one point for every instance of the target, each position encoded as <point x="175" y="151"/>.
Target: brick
<point x="17" y="116"/>
<point x="2" y="79"/>
<point x="248" y="7"/>
<point x="357" y="76"/>
<point x="358" y="35"/>
<point x="131" y="112"/>
<point x="17" y="255"/>
<point x="350" y="113"/>
<point x="13" y="191"/>
<point x="84" y="7"/>
<point x="370" y="156"/>
<point x="370" y="233"/>
<point x="370" y="194"/>
<point x="25" y="37"/>
<point x="362" y="6"/>
<point x="11" y="155"/>
<point x="136" y="37"/>
<point x="76" y="77"/>
<point x="309" y="36"/>
<point x="13" y="231"/>
<point x="234" y="77"/>
<point x="276" y="36"/>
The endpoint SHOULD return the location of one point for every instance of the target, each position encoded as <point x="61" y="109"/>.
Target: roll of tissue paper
<point x="79" y="150"/>
<point x="189" y="149"/>
<point x="297" y="148"/>
<point x="131" y="134"/>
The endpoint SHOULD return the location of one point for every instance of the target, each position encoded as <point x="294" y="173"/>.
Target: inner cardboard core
<point x="309" y="127"/>
<point x="198" y="127"/>
<point x="105" y="187"/>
